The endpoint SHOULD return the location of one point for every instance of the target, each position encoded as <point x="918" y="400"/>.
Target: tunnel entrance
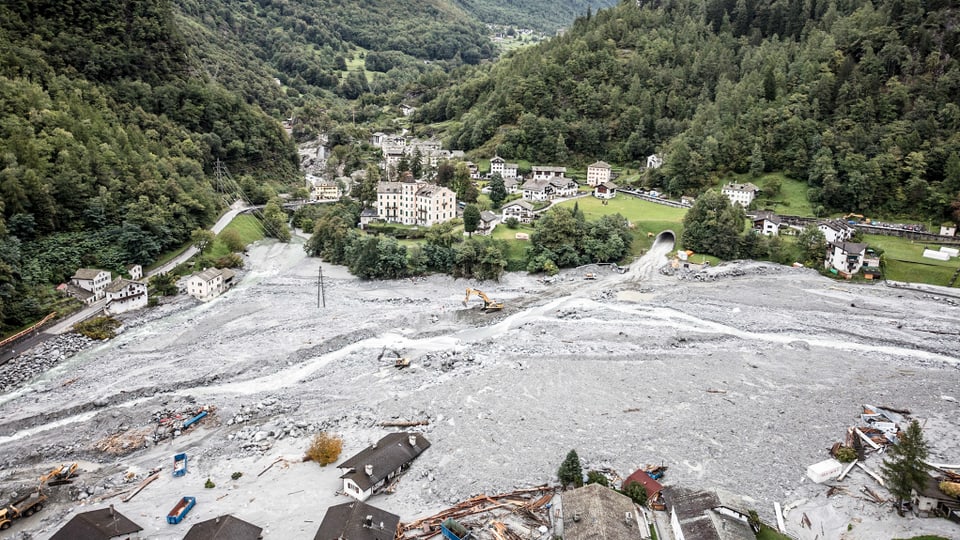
<point x="666" y="237"/>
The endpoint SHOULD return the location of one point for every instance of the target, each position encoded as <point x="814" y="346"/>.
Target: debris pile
<point x="260" y="438"/>
<point x="40" y="359"/>
<point x="171" y="424"/>
<point x="507" y="516"/>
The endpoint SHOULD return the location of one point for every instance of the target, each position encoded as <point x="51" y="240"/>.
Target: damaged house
<point x="375" y="466"/>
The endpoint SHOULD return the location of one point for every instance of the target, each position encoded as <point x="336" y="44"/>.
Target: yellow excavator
<point x="60" y="475"/>
<point x="488" y="304"/>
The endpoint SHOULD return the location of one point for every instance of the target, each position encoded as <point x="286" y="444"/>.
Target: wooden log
<point x="847" y="470"/>
<point x="405" y="424"/>
<point x="142" y="485"/>
<point x="261" y="473"/>
<point x="874" y="475"/>
<point x="781" y="526"/>
<point x="866" y="439"/>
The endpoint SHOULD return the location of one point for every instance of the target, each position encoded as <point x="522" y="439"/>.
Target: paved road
<point x="66" y="324"/>
<point x="221" y="224"/>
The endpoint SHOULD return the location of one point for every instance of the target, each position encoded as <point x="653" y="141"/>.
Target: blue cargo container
<point x="181" y="510"/>
<point x="180" y="464"/>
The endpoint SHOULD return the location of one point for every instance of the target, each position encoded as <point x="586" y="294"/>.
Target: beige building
<point x="415" y="203"/>
<point x="92" y="280"/>
<point x="209" y="283"/>
<point x="742" y="194"/>
<point x="598" y="173"/>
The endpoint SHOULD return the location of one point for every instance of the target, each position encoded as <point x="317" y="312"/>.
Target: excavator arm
<point x="488" y="304"/>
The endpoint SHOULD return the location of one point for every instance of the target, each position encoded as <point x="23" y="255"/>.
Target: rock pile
<point x="41" y="358"/>
<point x="260" y="438"/>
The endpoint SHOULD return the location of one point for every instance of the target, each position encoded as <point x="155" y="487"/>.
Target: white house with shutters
<point x="209" y="283"/>
<point x="598" y="173"/>
<point x="126" y="295"/>
<point x="92" y="280"/>
<point x="742" y="194"/>
<point x="521" y="210"/>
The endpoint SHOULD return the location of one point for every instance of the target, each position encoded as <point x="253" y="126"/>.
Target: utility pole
<point x="321" y="293"/>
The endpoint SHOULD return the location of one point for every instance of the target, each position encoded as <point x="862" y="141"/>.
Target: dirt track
<point x="738" y="381"/>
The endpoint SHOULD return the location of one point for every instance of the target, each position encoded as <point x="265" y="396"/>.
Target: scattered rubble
<point x="41" y="358"/>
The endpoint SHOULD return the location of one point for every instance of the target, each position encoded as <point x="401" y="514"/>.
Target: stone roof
<point x="609" y="185"/>
<point x="598" y="512"/>
<point x="599" y="165"/>
<point x="741" y="187"/>
<point x="357" y="521"/>
<point x="209" y="274"/>
<point x="101" y="524"/>
<point x="527" y="205"/>
<point x="117" y="285"/>
<point x="488" y="216"/>
<point x="851" y="247"/>
<point x="429" y="190"/>
<point x="548" y="168"/>
<point x="369" y="212"/>
<point x="223" y="528"/>
<point x="387" y="455"/>
<point x="388" y="187"/>
<point x="87" y="273"/>
<point x="536" y="185"/>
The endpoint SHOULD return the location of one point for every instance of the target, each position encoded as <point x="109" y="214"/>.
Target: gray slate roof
<point x="223" y="528"/>
<point x="598" y="512"/>
<point x="387" y="455"/>
<point x="101" y="524"/>
<point x="87" y="273"/>
<point x="346" y="521"/>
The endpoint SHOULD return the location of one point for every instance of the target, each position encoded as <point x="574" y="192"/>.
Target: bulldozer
<point x="63" y="474"/>
<point x="488" y="304"/>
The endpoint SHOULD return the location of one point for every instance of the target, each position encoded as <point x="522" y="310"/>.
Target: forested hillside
<point x="108" y="134"/>
<point x="545" y="15"/>
<point x="860" y="99"/>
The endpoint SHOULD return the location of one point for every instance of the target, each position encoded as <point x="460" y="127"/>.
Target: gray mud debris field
<point x="736" y="378"/>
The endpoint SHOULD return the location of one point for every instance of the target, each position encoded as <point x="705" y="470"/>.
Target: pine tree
<point x="471" y="219"/>
<point x="570" y="471"/>
<point x="904" y="469"/>
<point x="498" y="191"/>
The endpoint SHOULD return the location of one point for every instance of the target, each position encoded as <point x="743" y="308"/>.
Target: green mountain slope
<point x="543" y="15"/>
<point x="107" y="139"/>
<point x="861" y="101"/>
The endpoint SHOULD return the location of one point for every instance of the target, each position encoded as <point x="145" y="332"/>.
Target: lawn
<point x="517" y="248"/>
<point x="249" y="228"/>
<point x="905" y="261"/>
<point x="768" y="533"/>
<point x="791" y="200"/>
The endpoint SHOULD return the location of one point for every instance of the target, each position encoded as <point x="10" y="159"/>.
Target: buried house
<point x="372" y="468"/>
<point x="357" y="521"/>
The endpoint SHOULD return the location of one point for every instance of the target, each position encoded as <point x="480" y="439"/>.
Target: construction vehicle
<point x="488" y="304"/>
<point x="856" y="218"/>
<point x="23" y="507"/>
<point x="60" y="475"/>
<point x="590" y="275"/>
<point x="401" y="363"/>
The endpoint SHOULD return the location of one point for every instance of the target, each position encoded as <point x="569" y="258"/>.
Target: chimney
<point x="412" y="439"/>
<point x="111" y="510"/>
<point x="368" y="521"/>
<point x="368" y="469"/>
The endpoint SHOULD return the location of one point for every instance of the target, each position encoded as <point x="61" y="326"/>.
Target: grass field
<point x="247" y="226"/>
<point x="791" y="200"/>
<point x="905" y="261"/>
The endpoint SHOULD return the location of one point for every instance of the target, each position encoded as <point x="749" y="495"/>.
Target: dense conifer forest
<point x="858" y="98"/>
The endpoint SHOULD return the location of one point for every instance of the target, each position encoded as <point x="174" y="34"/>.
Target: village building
<point x="125" y="295"/>
<point x="512" y="185"/>
<point x="488" y="221"/>
<point x="370" y="470"/>
<point x="845" y="257"/>
<point x="521" y="210"/>
<point x="367" y="215"/>
<point x="92" y="280"/>
<point x="598" y="173"/>
<point x="948" y="230"/>
<point x="687" y="200"/>
<point x="322" y="189"/>
<point x="545" y="189"/>
<point x="654" y="161"/>
<point x="541" y="172"/>
<point x="707" y="515"/>
<point x="377" y="139"/>
<point x="415" y="203"/>
<point x="506" y="170"/>
<point x="835" y="230"/>
<point x="605" y="190"/>
<point x="596" y="511"/>
<point x="135" y="271"/>
<point x="102" y="524"/>
<point x="929" y="500"/>
<point x="474" y="170"/>
<point x="210" y="283"/>
<point x="766" y="223"/>
<point x="357" y="521"/>
<point x="652" y="488"/>
<point x="742" y="194"/>
<point x="225" y="527"/>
